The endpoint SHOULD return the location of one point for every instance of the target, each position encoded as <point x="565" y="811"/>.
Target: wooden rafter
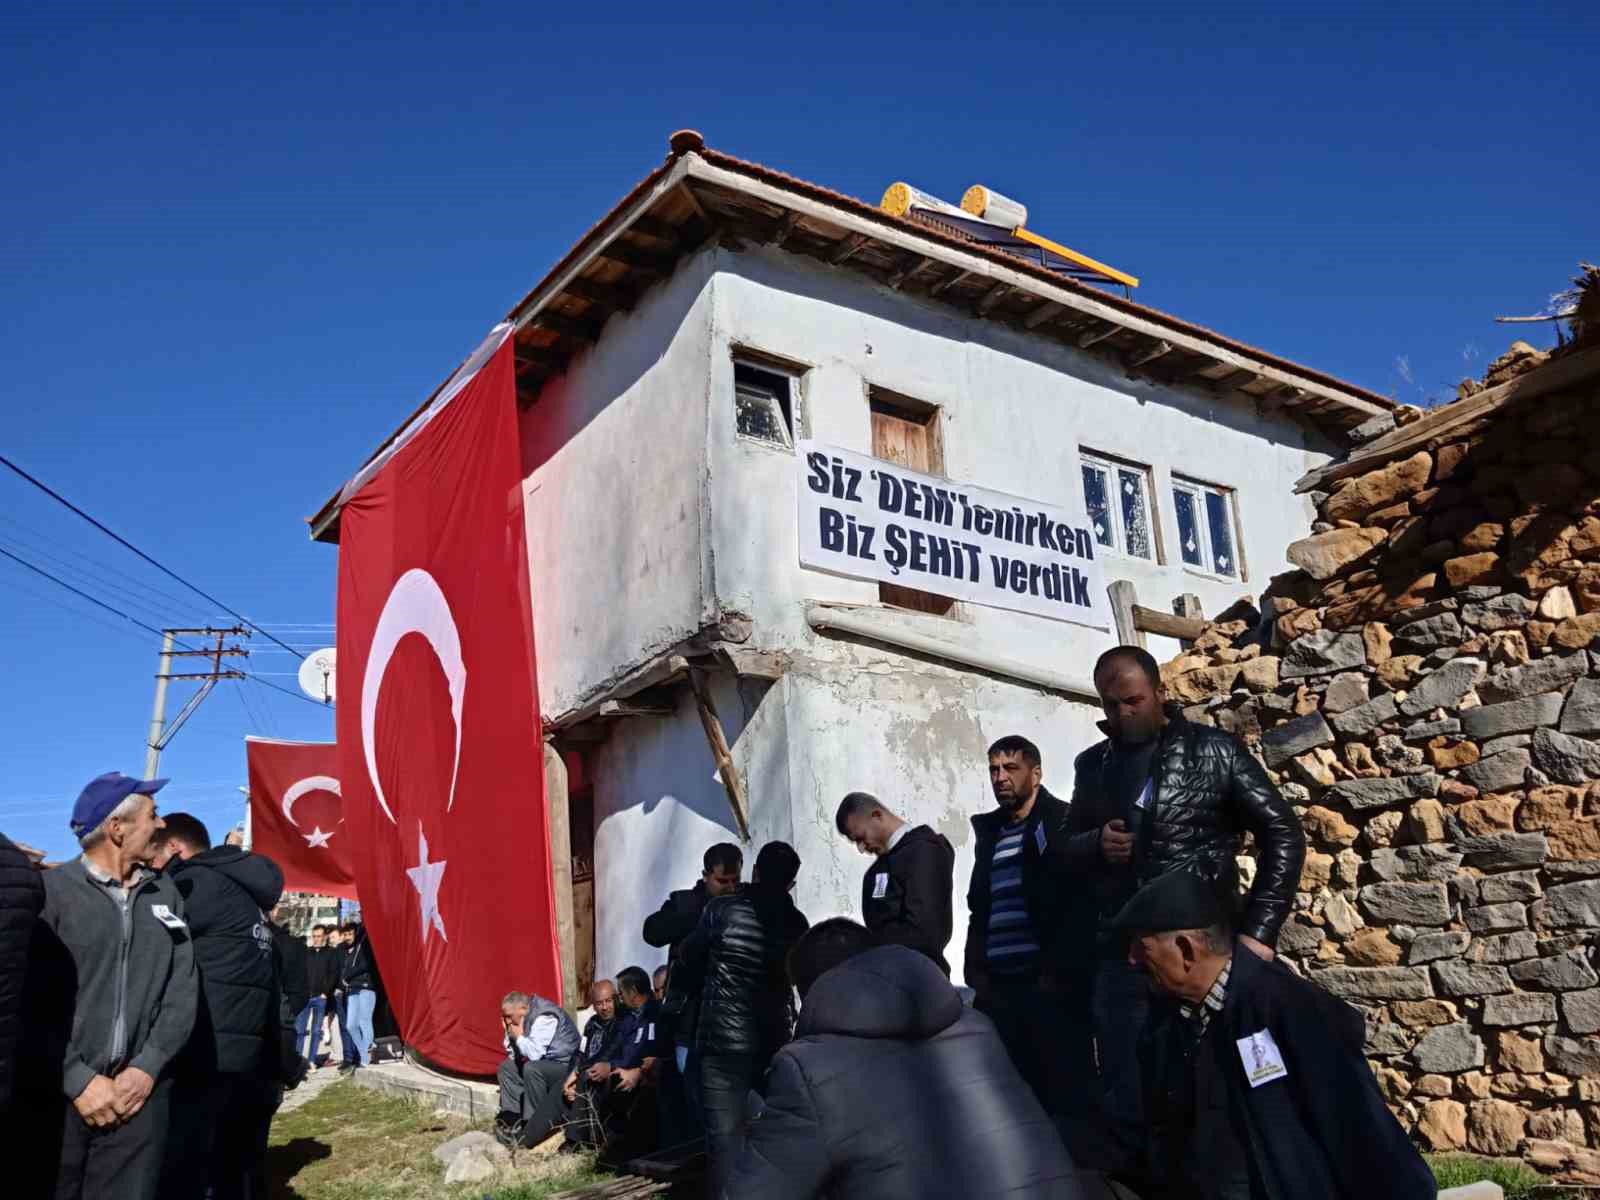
<point x="919" y="263"/>
<point x="603" y="294"/>
<point x="947" y="283"/>
<point x="1098" y="334"/>
<point x="781" y="231"/>
<point x="846" y="248"/>
<point x="992" y="297"/>
<point x="1042" y="313"/>
<point x="574" y="327"/>
<point x="639" y="260"/>
<point x="1149" y="355"/>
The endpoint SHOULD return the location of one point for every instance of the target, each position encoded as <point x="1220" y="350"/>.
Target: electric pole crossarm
<point x="161" y="731"/>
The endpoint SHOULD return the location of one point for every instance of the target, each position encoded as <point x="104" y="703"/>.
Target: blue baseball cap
<point x="103" y="793"/>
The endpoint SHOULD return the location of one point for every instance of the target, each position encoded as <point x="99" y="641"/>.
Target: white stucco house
<point x="667" y="367"/>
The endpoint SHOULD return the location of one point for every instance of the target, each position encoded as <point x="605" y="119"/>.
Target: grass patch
<point x="1518" y="1181"/>
<point x="353" y="1144"/>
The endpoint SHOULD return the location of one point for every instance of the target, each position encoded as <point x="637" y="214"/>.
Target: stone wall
<point x="1424" y="690"/>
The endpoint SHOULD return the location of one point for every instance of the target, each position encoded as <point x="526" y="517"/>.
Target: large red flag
<point x="297" y="815"/>
<point x="439" y="742"/>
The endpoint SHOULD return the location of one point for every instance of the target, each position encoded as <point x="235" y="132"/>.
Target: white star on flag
<point x="425" y="877"/>
<point x="316" y="838"/>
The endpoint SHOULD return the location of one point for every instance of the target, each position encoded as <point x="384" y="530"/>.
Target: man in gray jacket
<point x="112" y="995"/>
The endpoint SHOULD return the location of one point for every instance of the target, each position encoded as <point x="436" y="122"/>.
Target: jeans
<point x="725" y="1083"/>
<point x="310" y="1015"/>
<point x="359" y="1006"/>
<point x="217" y="1138"/>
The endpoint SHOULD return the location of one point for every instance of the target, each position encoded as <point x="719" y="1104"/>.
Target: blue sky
<point x="241" y="243"/>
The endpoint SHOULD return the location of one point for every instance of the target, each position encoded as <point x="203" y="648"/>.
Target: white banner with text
<point x="865" y="518"/>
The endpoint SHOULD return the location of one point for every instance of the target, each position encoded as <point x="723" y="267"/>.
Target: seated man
<point x="1257" y="1085"/>
<point x="627" y="1119"/>
<point x="588" y="1086"/>
<point x="892" y="1088"/>
<point x="540" y="1043"/>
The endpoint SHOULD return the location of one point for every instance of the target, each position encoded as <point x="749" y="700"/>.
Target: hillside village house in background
<point x="694" y="678"/>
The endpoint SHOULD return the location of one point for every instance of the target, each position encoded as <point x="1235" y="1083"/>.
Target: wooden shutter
<point x="909" y="438"/>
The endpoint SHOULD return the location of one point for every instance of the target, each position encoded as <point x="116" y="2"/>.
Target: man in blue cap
<point x="1255" y="1086"/>
<point x="112" y="996"/>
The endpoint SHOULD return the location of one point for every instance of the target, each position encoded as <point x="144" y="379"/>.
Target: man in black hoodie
<point x="906" y="894"/>
<point x="227" y="1079"/>
<point x="893" y="1089"/>
<point x="1022" y="958"/>
<point x="322" y="978"/>
<point x="746" y="1004"/>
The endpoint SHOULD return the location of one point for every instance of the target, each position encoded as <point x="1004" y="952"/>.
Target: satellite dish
<point x="317" y="675"/>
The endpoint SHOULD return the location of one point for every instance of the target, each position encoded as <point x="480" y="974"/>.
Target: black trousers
<point x="533" y="1096"/>
<point x="58" y="1155"/>
<point x="726" y="1081"/>
<point x="217" y="1138"/>
<point x="1121" y="1011"/>
<point x="1046" y="1037"/>
<point x="592" y="1112"/>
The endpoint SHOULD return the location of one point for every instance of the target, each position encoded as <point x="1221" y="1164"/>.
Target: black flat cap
<point x="1177" y="900"/>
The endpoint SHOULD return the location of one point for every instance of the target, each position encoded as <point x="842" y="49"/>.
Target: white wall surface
<point x="614" y="479"/>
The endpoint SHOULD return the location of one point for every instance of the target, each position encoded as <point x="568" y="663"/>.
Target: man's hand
<point x="598" y="1072"/>
<point x="649" y="1067"/>
<point x="628" y="1080"/>
<point x="97" y="1103"/>
<point x="1260" y="949"/>
<point x="514" y="1029"/>
<point x="1116" y="843"/>
<point x="132" y="1088"/>
<point x="569" y="1089"/>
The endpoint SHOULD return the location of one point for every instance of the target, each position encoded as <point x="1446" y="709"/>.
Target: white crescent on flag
<point x="315" y="783"/>
<point x="415" y="605"/>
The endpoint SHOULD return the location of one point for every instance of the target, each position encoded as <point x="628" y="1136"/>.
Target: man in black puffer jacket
<point x="227" y="1079"/>
<point x="746" y="1007"/>
<point x="1163" y="794"/>
<point x="892" y="1090"/>
<point x="21" y="898"/>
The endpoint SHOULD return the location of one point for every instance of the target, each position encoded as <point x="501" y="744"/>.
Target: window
<point x="1208" y="533"/>
<point x="1116" y="496"/>
<point x="763" y="401"/>
<point x="907" y="432"/>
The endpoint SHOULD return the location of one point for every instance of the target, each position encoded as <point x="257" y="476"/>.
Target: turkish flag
<point x="297" y="815"/>
<point x="440" y="754"/>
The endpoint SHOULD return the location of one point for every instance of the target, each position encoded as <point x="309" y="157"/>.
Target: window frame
<point x="1200" y="489"/>
<point x="1111" y="464"/>
<point x="795" y="373"/>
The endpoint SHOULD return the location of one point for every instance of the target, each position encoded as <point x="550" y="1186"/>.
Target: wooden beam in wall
<point x="1148" y="355"/>
<point x="604" y="294"/>
<point x="912" y="267"/>
<point x="1085" y="340"/>
<point x="1043" y="313"/>
<point x="846" y="248"/>
<point x="947" y="283"/>
<point x="992" y="297"/>
<point x="718" y="741"/>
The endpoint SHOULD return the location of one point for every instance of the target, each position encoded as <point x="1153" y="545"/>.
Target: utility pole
<point x="152" y="754"/>
<point x="162" y="732"/>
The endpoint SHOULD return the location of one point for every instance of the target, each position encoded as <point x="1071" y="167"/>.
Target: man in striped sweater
<point x="1021" y="958"/>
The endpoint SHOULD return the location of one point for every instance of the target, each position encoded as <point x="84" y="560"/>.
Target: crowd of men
<point x="1129" y="1026"/>
<point x="1130" y="1030"/>
<point x="153" y="1010"/>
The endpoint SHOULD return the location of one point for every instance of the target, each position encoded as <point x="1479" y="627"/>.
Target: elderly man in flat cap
<point x="1255" y="1087"/>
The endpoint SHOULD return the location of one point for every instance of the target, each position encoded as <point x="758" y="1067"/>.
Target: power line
<point x="139" y="604"/>
<point x="76" y="592"/>
<point x="60" y="499"/>
<point x="34" y="538"/>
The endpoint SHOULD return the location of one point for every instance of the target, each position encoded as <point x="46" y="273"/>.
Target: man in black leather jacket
<point x="1163" y="794"/>
<point x="746" y="1006"/>
<point x="675" y="920"/>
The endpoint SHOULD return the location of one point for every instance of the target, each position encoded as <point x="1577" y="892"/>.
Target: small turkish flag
<point x="297" y="814"/>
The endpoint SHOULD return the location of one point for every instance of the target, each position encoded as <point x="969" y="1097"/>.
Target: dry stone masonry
<point x="1426" y="689"/>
